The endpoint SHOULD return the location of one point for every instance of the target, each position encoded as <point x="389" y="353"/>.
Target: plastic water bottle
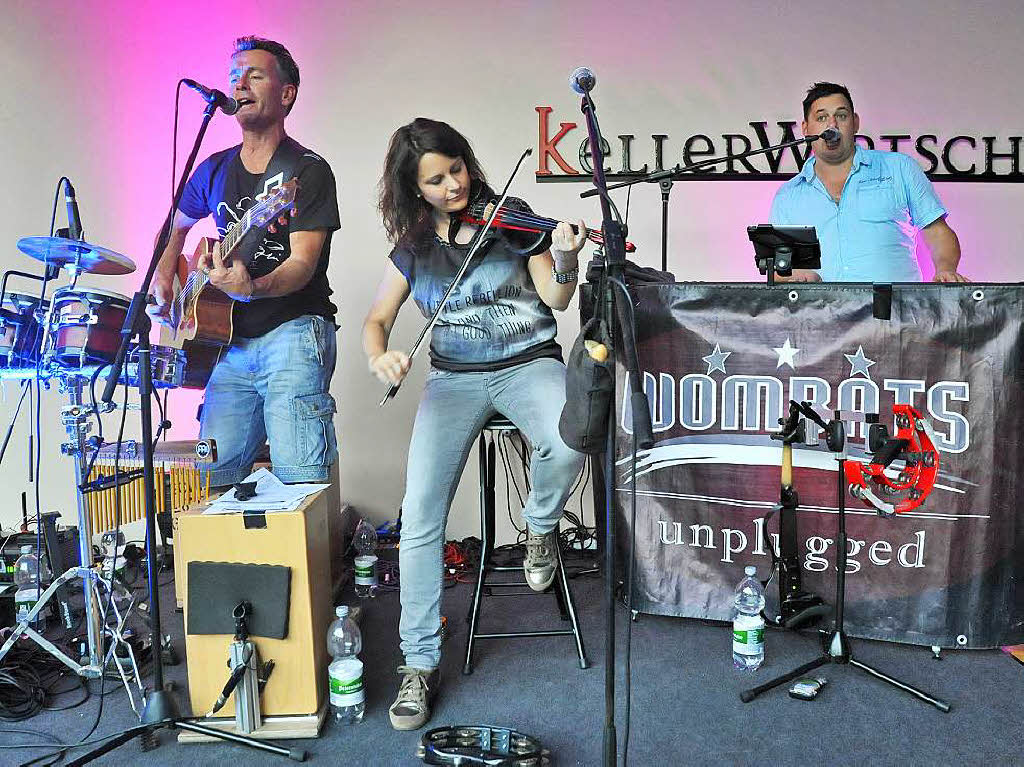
<point x="344" y="643"/>
<point x="113" y="554"/>
<point x="29" y="576"/>
<point x="365" y="543"/>
<point x="747" y="623"/>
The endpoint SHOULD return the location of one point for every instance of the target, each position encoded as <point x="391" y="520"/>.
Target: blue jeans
<point x="274" y="388"/>
<point x="451" y="414"/>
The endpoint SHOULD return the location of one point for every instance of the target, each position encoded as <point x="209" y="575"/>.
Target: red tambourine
<point x="914" y="445"/>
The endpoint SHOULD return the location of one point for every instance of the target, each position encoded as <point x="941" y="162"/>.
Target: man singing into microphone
<point x="866" y="205"/>
<point x="272" y="383"/>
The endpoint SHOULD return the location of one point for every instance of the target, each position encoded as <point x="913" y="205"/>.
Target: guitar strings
<point x="197" y="280"/>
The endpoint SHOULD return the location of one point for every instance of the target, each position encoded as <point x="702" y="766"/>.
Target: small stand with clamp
<point x="247" y="675"/>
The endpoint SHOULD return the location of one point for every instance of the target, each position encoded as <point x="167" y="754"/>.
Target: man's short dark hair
<point x="820" y="90"/>
<point x="286" y="65"/>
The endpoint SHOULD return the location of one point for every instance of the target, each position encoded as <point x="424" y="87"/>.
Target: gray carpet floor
<point x="685" y="698"/>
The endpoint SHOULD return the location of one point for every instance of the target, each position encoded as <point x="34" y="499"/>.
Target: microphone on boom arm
<point x="829" y="135"/>
<point x="218" y="98"/>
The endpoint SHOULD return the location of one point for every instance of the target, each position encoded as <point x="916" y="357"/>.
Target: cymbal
<point x="75" y="254"/>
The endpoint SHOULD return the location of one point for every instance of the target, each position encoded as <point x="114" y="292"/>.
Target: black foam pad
<point x="215" y="588"/>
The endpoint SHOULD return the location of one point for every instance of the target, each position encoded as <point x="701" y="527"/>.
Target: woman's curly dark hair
<point x="404" y="213"/>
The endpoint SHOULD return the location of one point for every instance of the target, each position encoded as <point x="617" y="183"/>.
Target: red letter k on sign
<point x="547" y="147"/>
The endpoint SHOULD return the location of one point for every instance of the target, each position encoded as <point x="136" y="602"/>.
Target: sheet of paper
<point x="271" y="495"/>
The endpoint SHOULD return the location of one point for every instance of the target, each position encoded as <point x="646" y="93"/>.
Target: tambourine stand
<point x="75" y="418"/>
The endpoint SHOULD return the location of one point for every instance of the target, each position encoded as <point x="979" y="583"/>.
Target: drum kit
<point x="72" y="337"/>
<point x="77" y="332"/>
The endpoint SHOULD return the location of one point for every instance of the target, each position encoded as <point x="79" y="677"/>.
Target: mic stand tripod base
<point x="837" y="650"/>
<point x="162" y="711"/>
<point x="147" y="732"/>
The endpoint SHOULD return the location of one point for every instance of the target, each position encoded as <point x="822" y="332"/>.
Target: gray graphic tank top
<point x="493" y="319"/>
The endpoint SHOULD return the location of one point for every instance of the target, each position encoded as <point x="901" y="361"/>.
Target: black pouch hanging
<point x="589" y="386"/>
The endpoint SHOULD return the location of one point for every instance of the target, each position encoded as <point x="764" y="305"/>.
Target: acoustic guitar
<point x="200" y="314"/>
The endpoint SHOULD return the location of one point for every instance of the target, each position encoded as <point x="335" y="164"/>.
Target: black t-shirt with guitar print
<point x="223" y="188"/>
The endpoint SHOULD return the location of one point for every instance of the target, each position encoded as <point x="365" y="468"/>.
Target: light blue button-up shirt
<point x="869" y="235"/>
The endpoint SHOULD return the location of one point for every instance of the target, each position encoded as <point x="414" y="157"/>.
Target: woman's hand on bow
<point x="391" y="366"/>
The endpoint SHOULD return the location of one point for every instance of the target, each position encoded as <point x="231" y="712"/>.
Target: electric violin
<point x="516" y="216"/>
<point x="790" y="606"/>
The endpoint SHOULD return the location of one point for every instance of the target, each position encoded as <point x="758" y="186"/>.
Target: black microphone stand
<point x="665" y="179"/>
<point x="622" y="316"/>
<point x="666" y="190"/>
<point x="160" y="709"/>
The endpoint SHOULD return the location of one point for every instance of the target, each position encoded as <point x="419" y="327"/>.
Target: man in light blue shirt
<point x="866" y="205"/>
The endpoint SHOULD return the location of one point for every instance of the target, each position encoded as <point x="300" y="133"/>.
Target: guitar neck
<point x="256" y="217"/>
<point x="229" y="244"/>
<point x="198" y="280"/>
<point x="787" y="466"/>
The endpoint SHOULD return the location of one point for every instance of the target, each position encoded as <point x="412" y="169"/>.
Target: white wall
<point x="89" y="94"/>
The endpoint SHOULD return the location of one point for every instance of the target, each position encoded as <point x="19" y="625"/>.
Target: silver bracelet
<point x="564" y="278"/>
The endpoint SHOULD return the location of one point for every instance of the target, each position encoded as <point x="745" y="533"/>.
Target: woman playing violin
<point x="493" y="350"/>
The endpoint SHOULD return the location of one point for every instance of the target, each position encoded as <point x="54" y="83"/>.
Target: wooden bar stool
<point x="563" y="595"/>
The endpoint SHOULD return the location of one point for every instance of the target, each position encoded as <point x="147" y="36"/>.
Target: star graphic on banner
<point x="716" y="360"/>
<point x="859" y="363"/>
<point x="786" y="354"/>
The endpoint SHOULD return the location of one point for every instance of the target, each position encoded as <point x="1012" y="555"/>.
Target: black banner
<point x="720" y="363"/>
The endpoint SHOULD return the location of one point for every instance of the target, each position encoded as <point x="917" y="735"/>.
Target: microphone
<point x="582" y="80"/>
<point x="218" y="98"/>
<point x="829" y="135"/>
<point x="74" y="219"/>
<point x="233" y="681"/>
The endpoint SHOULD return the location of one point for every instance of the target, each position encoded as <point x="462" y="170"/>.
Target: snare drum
<point x="21" y="338"/>
<point x="85" y="326"/>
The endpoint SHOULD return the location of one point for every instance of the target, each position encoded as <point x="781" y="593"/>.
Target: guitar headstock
<point x="267" y="209"/>
<point x="259" y="216"/>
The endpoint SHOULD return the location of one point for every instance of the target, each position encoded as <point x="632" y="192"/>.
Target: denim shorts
<point x="276" y="389"/>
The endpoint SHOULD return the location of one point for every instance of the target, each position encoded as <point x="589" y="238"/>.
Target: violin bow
<point x="478" y="239"/>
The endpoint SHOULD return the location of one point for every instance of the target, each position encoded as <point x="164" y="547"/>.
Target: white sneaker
<point x="541" y="559"/>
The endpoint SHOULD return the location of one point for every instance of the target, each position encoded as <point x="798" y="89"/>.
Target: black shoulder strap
<point x="283" y="166"/>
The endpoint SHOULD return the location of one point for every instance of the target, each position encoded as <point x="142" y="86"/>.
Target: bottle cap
<point x="26" y="549"/>
<point x="341" y="611"/>
<point x="750" y="570"/>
